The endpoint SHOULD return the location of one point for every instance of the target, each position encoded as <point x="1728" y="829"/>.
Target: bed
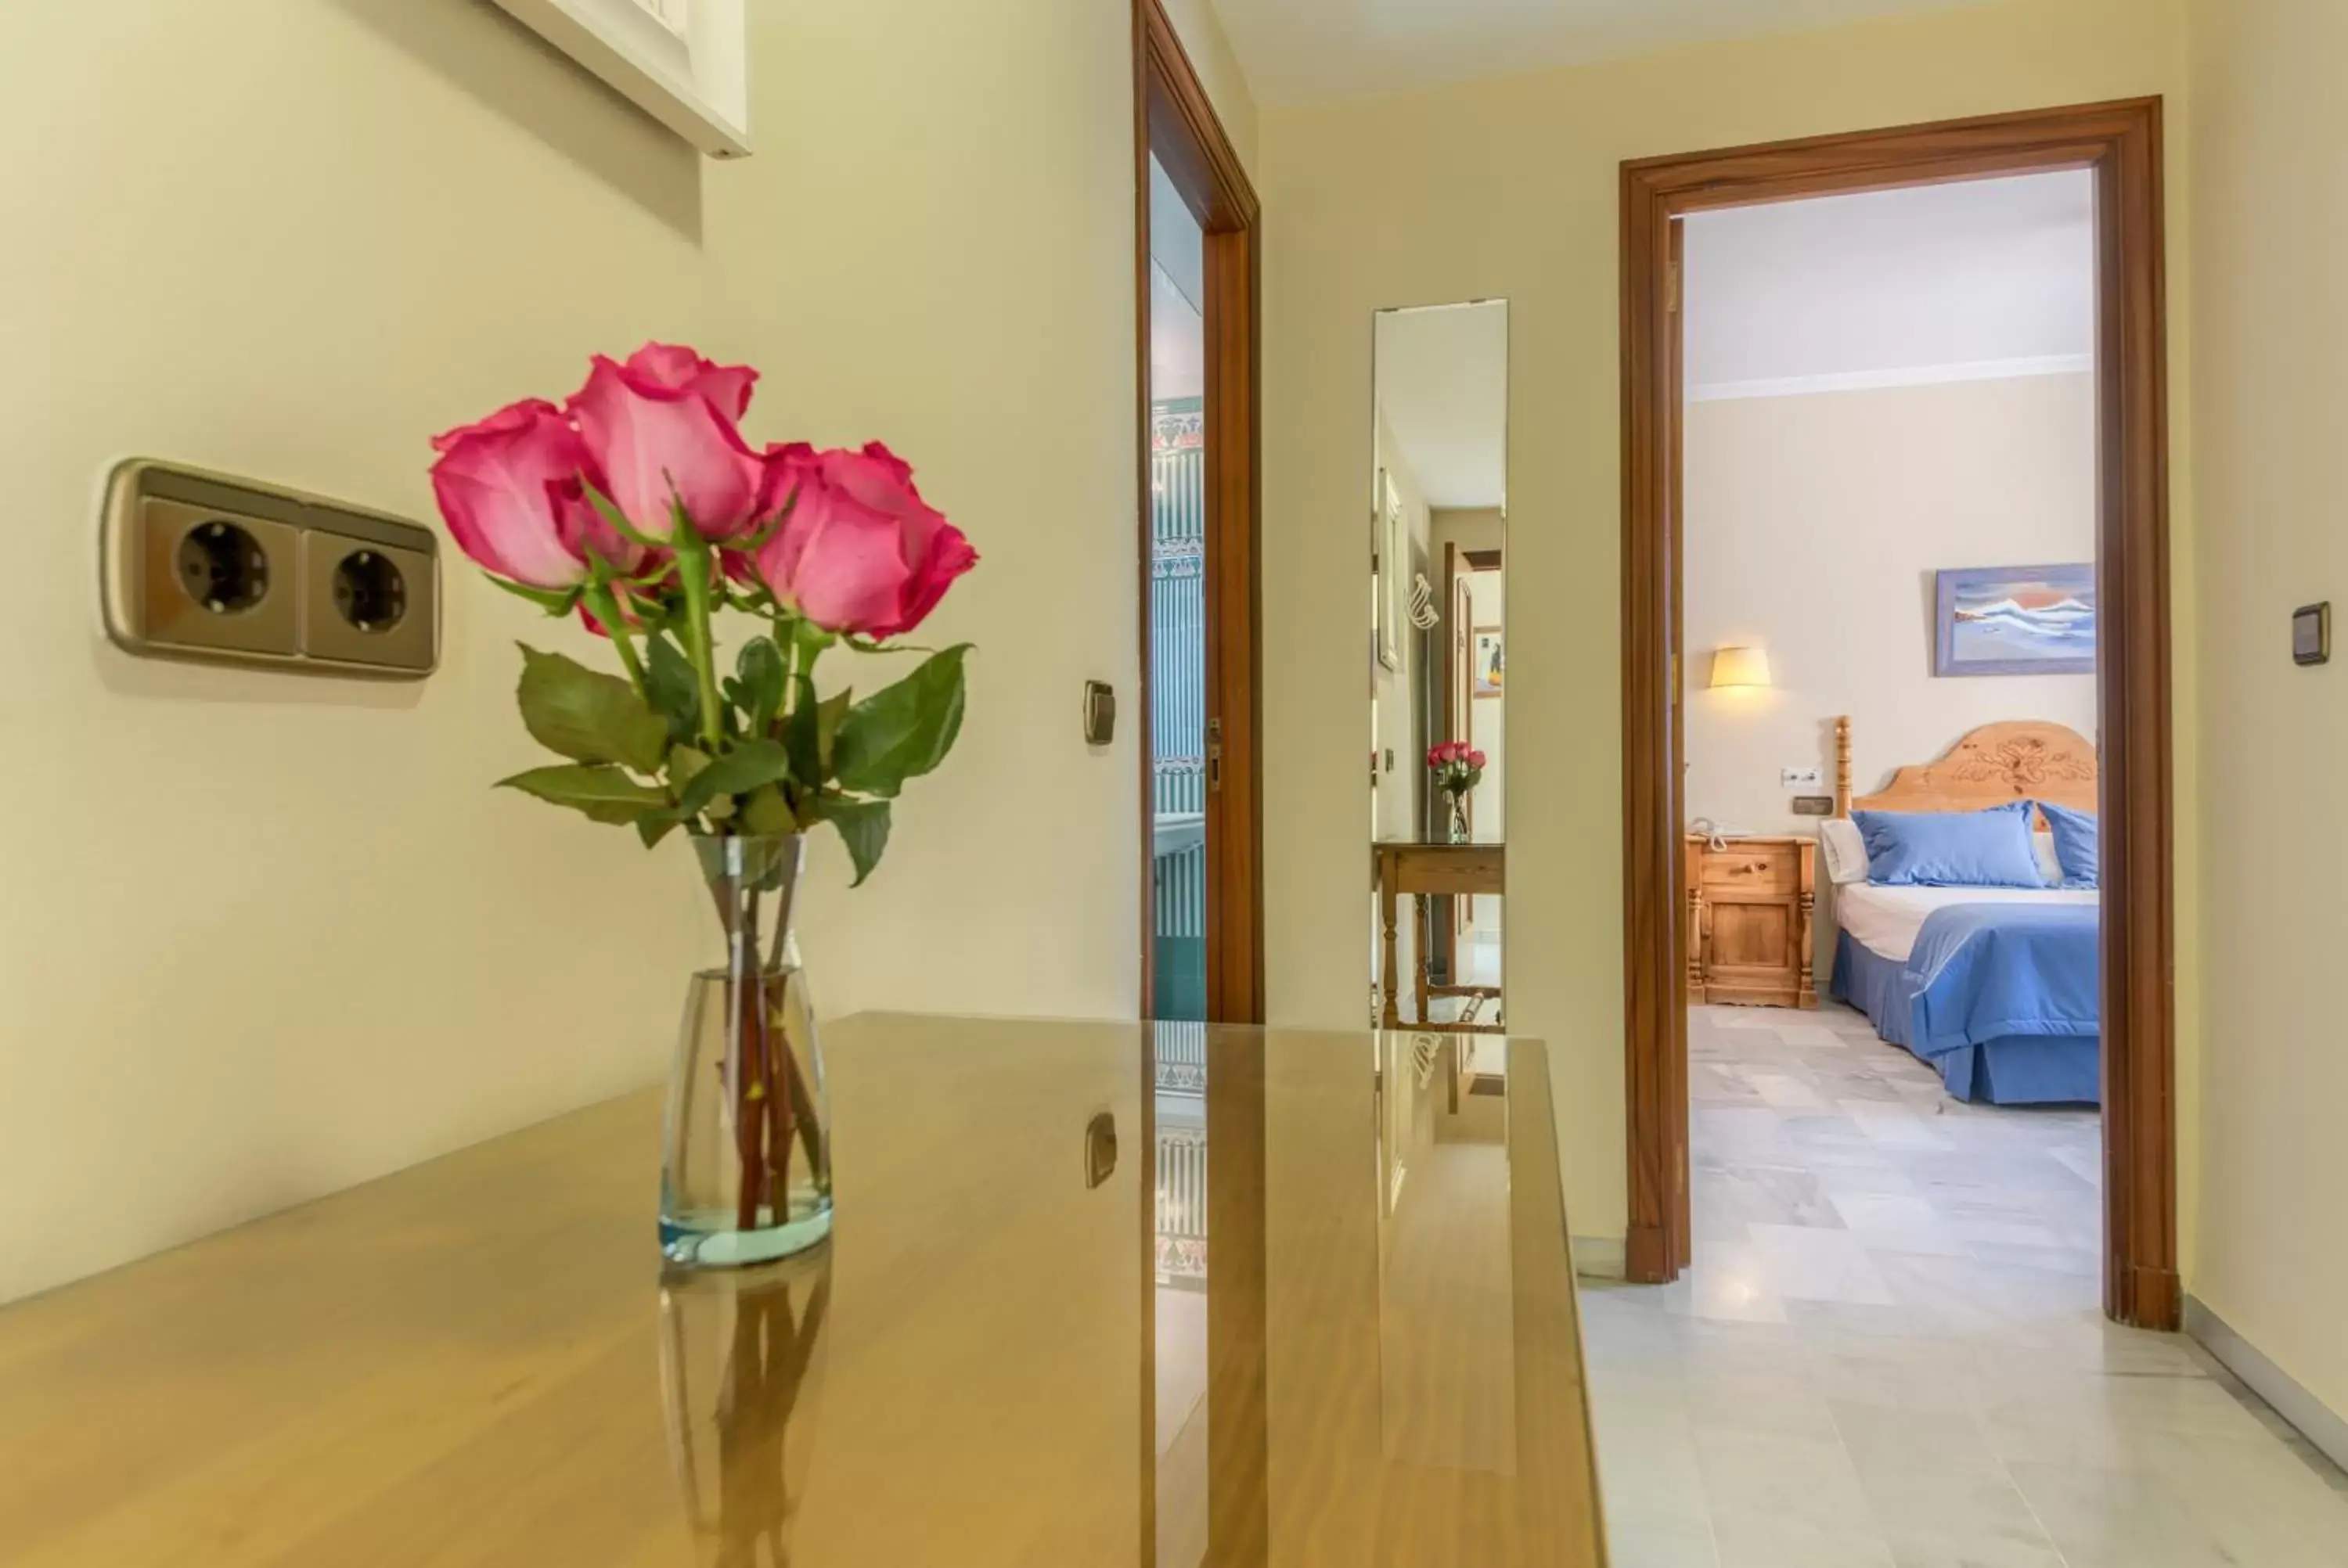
<point x="1996" y="988"/>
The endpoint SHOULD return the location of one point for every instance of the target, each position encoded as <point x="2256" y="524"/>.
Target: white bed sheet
<point x="1885" y="920"/>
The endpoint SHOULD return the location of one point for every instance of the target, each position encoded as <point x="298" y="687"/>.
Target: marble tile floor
<point x="1891" y="1353"/>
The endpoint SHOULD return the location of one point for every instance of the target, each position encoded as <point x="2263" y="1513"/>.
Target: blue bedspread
<point x="2000" y="1000"/>
<point x="1982" y="972"/>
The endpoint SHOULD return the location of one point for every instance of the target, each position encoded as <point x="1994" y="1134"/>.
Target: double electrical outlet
<point x="201" y="565"/>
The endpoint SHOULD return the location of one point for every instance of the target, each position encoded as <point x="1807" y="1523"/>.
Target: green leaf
<point x="760" y="667"/>
<point x="552" y="601"/>
<point x="863" y="826"/>
<point x="827" y="717"/>
<point x="686" y="764"/>
<point x="604" y="794"/>
<point x="738" y="772"/>
<point x="766" y="812"/>
<point x="903" y="731"/>
<point x="653" y="828"/>
<point x="670" y="684"/>
<point x="576" y="713"/>
<point x="802" y="733"/>
<point x="669" y="681"/>
<point x="611" y="514"/>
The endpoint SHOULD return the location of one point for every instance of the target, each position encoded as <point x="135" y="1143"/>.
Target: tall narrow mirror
<point x="1438" y="667"/>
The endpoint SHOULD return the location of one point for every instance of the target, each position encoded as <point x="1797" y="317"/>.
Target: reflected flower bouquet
<point x="1458" y="768"/>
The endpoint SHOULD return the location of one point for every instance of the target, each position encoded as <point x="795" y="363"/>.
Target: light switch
<point x="2310" y="634"/>
<point x="1100" y="713"/>
<point x="1799" y="778"/>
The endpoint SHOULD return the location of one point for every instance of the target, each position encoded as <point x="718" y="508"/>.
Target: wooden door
<point x="1177" y="131"/>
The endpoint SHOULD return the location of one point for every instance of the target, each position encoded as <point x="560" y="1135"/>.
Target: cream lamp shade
<point x="1740" y="667"/>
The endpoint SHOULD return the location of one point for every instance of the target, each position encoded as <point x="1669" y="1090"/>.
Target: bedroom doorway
<point x="1730" y="925"/>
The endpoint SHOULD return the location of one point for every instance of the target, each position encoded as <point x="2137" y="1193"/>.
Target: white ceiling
<point x="1941" y="283"/>
<point x="1443" y="390"/>
<point x="1299" y="51"/>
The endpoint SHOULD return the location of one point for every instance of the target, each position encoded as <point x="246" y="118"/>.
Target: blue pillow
<point x="1989" y="848"/>
<point x="2074" y="845"/>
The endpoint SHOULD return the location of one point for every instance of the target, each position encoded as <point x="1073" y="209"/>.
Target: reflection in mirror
<point x="1438" y="652"/>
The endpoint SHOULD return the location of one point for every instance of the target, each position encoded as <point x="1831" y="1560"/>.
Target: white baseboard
<point x="2316" y="1422"/>
<point x="1598" y="1257"/>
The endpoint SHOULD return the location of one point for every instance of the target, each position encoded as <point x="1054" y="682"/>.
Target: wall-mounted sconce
<point x="1740" y="667"/>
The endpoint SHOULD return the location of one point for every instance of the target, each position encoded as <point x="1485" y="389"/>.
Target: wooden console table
<point x="476" y="1363"/>
<point x="1431" y="870"/>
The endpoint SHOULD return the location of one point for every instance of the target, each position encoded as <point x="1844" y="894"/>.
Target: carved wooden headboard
<point x="2029" y="759"/>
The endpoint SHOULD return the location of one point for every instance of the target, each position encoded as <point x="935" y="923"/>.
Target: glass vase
<point x="745" y="1168"/>
<point x="1459" y="824"/>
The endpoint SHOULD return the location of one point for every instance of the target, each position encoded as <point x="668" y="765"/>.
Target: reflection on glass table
<point x="1307" y="1306"/>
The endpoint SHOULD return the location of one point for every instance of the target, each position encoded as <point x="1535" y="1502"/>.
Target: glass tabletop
<point x="1099" y="1293"/>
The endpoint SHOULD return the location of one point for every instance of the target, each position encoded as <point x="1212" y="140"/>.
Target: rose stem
<point x="746" y="986"/>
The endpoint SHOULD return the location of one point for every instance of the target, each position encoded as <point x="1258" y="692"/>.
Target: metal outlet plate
<point x="201" y="566"/>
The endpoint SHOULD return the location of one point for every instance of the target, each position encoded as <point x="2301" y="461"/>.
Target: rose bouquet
<point x="1458" y="768"/>
<point x="639" y="506"/>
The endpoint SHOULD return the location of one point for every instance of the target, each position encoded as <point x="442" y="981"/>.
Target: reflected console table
<point x="1430" y="870"/>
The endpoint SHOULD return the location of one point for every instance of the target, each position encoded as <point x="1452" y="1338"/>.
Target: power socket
<point x="204" y="566"/>
<point x="368" y="603"/>
<point x="217" y="583"/>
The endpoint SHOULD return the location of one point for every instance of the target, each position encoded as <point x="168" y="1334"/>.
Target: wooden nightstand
<point x="1750" y="903"/>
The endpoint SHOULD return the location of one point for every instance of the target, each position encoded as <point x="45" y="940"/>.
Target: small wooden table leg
<point x="1390" y="1011"/>
<point x="1425" y="940"/>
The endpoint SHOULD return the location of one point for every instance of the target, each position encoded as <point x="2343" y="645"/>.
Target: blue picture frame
<point x="2016" y="621"/>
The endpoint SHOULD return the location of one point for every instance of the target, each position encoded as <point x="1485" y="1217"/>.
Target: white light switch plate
<point x="1800" y="778"/>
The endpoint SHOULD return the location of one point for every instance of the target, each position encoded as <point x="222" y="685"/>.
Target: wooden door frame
<point x="1174" y="118"/>
<point x="2122" y="143"/>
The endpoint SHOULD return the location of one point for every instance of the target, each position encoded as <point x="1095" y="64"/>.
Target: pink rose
<point x="727" y="386"/>
<point x="861" y="552"/>
<point x="661" y="431"/>
<point x="1476" y="760"/>
<point x="509" y="487"/>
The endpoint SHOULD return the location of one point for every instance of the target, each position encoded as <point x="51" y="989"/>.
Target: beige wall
<point x="1203" y="40"/>
<point x="263" y="937"/>
<point x="2272" y="325"/>
<point x="1509" y="189"/>
<point x="1815" y="524"/>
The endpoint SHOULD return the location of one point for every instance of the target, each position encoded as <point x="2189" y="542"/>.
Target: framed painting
<point x="2016" y="621"/>
<point x="686" y="63"/>
<point x="1492" y="661"/>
